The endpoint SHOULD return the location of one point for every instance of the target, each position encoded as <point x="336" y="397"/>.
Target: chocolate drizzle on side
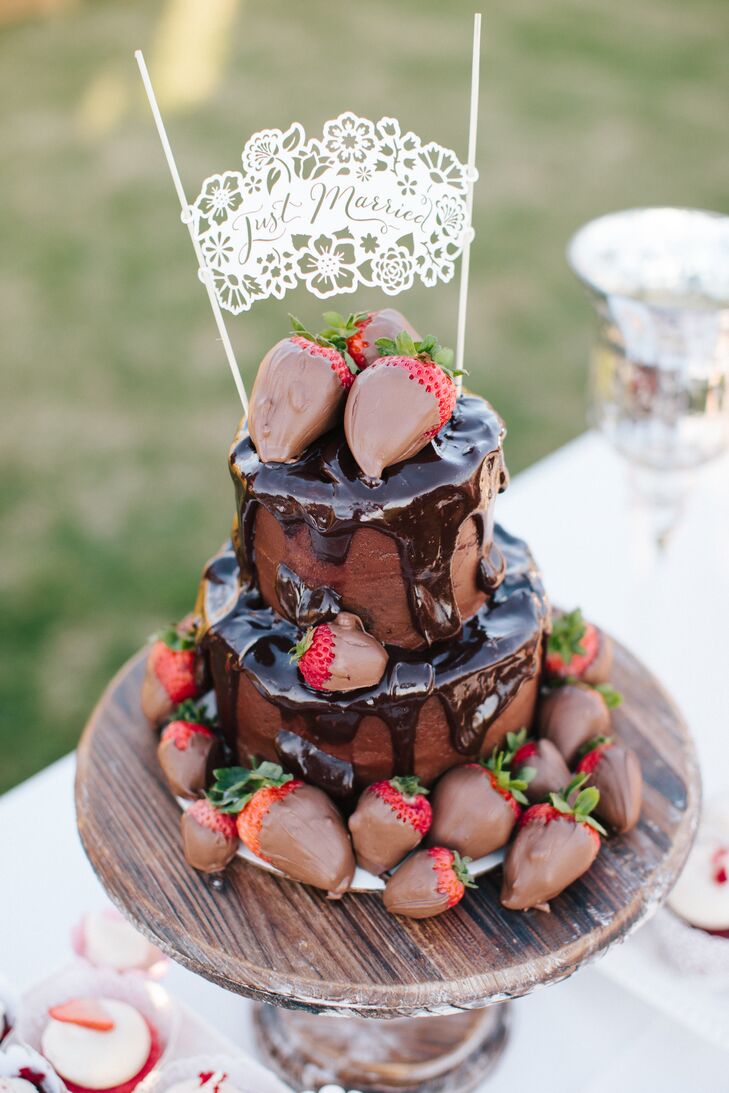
<point x="421" y="504"/>
<point x="305" y="606"/>
<point x="475" y="675"/>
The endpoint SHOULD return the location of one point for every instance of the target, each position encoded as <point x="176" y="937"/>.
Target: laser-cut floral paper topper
<point x="364" y="205"/>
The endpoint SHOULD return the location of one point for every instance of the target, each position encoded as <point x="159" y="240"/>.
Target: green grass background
<point x="117" y="408"/>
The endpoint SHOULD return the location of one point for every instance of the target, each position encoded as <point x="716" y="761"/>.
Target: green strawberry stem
<point x="584" y="804"/>
<point x="612" y="697"/>
<point x="460" y="868"/>
<point x="235" y="786"/>
<point x="567" y="634"/>
<point x="189" y="710"/>
<point x="429" y="349"/>
<point x="514" y="740"/>
<point x="329" y="338"/>
<point x="340" y="327"/>
<point x="410" y="786"/>
<point x="176" y="639"/>
<point x="296" y="652"/>
<point x="595" y="742"/>
<point x="498" y="764"/>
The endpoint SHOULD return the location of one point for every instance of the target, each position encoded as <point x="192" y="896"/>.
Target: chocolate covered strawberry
<point x="209" y="837"/>
<point x="289" y="824"/>
<point x="578" y="650"/>
<point x="615" y="771"/>
<point x="476" y="806"/>
<point x="399" y="403"/>
<point x="175" y="672"/>
<point x="555" y="844"/>
<point x="574" y="713"/>
<point x="390" y="820"/>
<point x="340" y="655"/>
<point x="358" y="334"/>
<point x="189" y="751"/>
<point x="428" y="883"/>
<point x="549" y="770"/>
<point x="299" y="394"/>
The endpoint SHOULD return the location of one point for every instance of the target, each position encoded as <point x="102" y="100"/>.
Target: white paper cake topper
<point x="364" y="205"/>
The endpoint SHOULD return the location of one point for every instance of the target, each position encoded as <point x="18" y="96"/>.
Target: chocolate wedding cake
<point x="449" y="608"/>
<point x="371" y="634"/>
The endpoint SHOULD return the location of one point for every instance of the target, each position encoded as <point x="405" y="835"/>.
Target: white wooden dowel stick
<point x="166" y="148"/>
<point x="472" y="137"/>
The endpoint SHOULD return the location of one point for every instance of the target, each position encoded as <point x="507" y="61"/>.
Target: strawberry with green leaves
<point x="556" y="843"/>
<point x="356" y="335"/>
<point x="615" y="771"/>
<point x="428" y="883"/>
<point x="550" y="772"/>
<point x="188" y="751"/>
<point x="399" y="403"/>
<point x="391" y="819"/>
<point x="298" y="395"/>
<point x="175" y="671"/>
<point x="340" y="655"/>
<point x="572" y="713"/>
<point x="293" y="826"/>
<point x="209" y="837"/>
<point x="476" y="806"/>
<point x="578" y="650"/>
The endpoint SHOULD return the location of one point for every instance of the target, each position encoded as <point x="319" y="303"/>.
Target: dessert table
<point x="575" y="510"/>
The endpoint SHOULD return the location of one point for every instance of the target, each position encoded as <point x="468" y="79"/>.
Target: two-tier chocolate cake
<point x="413" y="552"/>
<point x="370" y="634"/>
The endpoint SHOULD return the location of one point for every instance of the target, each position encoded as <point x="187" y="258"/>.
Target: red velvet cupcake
<point x="97" y="1044"/>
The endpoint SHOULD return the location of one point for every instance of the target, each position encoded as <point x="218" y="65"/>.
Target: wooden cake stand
<point x="288" y="947"/>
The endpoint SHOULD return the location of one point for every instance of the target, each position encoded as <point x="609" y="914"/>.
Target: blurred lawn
<point x="117" y="404"/>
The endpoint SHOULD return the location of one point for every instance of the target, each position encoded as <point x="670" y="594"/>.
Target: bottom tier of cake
<point x="432" y="710"/>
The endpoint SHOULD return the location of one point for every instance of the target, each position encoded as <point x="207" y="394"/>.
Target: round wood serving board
<point x="281" y="942"/>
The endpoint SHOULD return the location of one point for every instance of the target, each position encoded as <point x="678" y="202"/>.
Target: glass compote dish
<point x="659" y="280"/>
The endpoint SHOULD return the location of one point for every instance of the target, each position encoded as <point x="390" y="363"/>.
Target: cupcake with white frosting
<point x="106" y="940"/>
<point x="694" y="931"/>
<point x="23" y="1070"/>
<point x="213" y="1074"/>
<point x="102" y="1032"/>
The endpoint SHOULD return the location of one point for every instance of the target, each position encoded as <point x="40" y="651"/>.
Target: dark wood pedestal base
<point x="451" y="1054"/>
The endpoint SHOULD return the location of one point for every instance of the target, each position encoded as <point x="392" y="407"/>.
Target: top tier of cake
<point x="412" y="554"/>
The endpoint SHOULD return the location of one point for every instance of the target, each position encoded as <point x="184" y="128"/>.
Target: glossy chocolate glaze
<point x="474" y="676"/>
<point x="420" y="504"/>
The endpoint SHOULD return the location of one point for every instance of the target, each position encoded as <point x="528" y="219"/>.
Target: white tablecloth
<point x="585" y="1034"/>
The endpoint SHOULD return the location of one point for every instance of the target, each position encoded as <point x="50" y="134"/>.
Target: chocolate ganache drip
<point x="475" y="676"/>
<point x="421" y="505"/>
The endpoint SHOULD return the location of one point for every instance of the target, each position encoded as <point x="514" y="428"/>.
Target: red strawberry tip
<point x="595" y="744"/>
<point x="205" y="813"/>
<point x="192" y="712"/>
<point x="234" y="787"/>
<point x="499" y="768"/>
<point x="175" y="638"/>
<point x="428" y="349"/>
<point x="584" y="804"/>
<point x="409" y="786"/>
<point x="298" y="330"/>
